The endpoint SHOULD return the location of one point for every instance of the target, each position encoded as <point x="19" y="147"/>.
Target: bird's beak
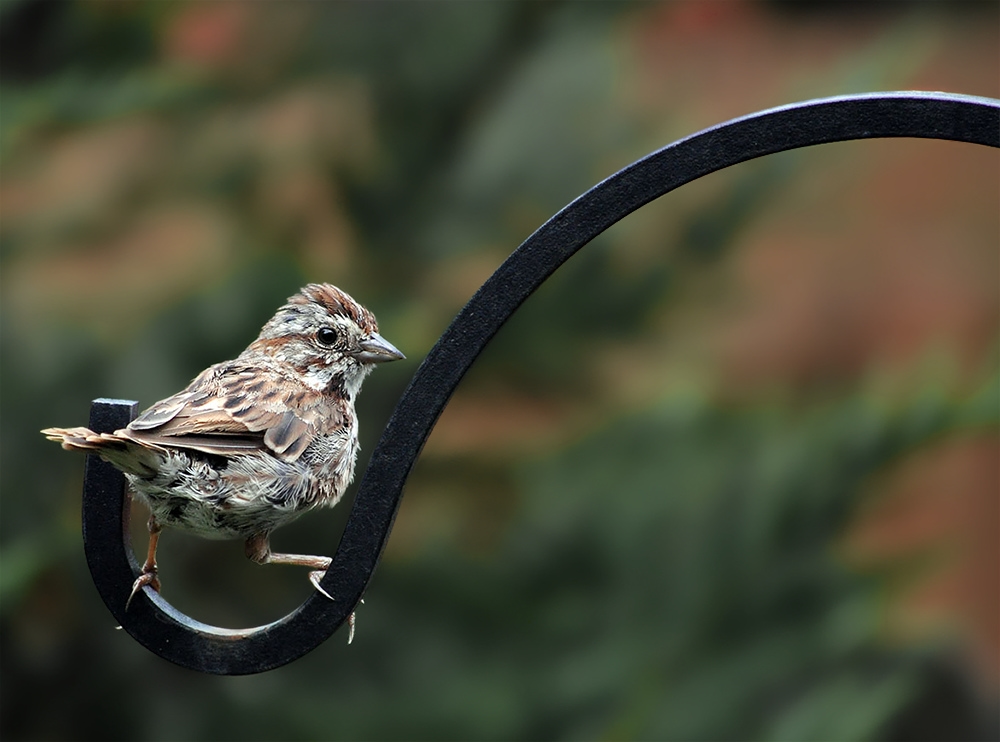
<point x="376" y="349"/>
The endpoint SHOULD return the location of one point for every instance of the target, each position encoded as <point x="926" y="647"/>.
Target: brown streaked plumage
<point x="251" y="444"/>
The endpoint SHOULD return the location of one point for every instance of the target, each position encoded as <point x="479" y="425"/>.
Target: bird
<point x="253" y="443"/>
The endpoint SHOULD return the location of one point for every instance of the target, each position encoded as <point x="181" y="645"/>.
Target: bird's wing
<point x="233" y="409"/>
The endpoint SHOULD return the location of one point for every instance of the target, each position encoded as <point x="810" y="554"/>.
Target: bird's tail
<point x="123" y="453"/>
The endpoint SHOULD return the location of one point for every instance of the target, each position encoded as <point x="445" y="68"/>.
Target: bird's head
<point x="327" y="338"/>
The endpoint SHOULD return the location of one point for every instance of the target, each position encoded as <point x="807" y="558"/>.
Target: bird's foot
<point x="148" y="577"/>
<point x="315" y="578"/>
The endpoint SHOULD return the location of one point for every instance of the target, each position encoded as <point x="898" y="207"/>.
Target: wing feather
<point x="223" y="411"/>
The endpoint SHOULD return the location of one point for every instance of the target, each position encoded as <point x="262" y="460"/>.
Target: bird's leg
<point x="148" y="576"/>
<point x="258" y="549"/>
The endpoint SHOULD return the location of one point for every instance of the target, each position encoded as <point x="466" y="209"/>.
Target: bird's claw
<point x="315" y="578"/>
<point x="148" y="577"/>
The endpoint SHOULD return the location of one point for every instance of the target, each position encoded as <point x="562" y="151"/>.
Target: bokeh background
<point x="731" y="474"/>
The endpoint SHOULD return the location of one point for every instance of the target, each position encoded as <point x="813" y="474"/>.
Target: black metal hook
<point x="180" y="639"/>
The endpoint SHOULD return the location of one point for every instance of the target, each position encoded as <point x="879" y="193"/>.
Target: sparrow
<point x="253" y="443"/>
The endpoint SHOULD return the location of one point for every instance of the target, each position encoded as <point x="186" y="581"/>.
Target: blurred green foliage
<point x="671" y="577"/>
<point x="617" y="531"/>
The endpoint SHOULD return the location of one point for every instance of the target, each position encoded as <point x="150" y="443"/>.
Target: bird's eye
<point x="326" y="336"/>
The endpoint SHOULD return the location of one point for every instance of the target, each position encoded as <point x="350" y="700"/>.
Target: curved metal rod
<point x="178" y="638"/>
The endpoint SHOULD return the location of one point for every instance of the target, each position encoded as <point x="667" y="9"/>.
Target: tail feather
<point x="123" y="453"/>
<point x="80" y="439"/>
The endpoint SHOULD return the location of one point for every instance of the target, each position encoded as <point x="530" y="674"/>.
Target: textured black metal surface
<point x="178" y="638"/>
